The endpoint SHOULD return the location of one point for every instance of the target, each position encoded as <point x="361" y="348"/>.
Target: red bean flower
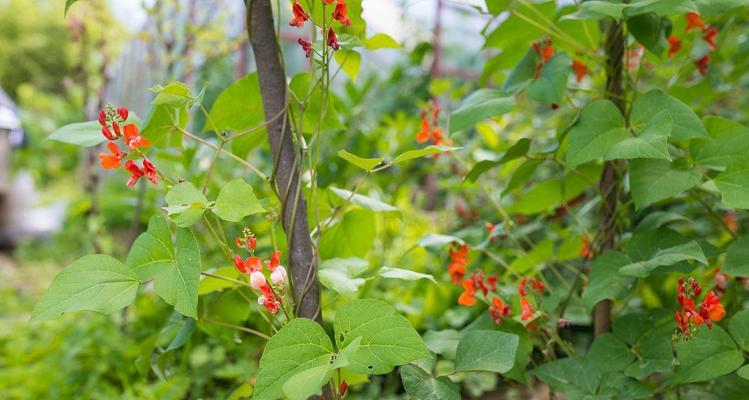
<point x="709" y="35"/>
<point x="136" y="172"/>
<point x="133" y="139"/>
<point x="341" y="13"/>
<point x="306" y="47"/>
<point x="467" y="298"/>
<point x="702" y="64"/>
<point x="300" y="16"/>
<point x="332" y="39"/>
<point x="580" y="70"/>
<point x="674" y="45"/>
<point x="112" y="160"/>
<point x="694" y="21"/>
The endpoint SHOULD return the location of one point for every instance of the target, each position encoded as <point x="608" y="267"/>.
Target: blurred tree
<point x="34" y="45"/>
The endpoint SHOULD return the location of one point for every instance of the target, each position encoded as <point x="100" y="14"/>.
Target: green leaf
<point x="69" y="3"/>
<point x="739" y="328"/>
<point x="364" y="163"/>
<point x="708" y="355"/>
<point x="480" y="105"/>
<point x="737" y="258"/>
<point x="239" y="108"/>
<point x="517" y="150"/>
<point x="600" y="126"/>
<point x="363" y="201"/>
<point x="423" y="386"/>
<point x="381" y="41"/>
<point x="95" y="282"/>
<point x="540" y="254"/>
<point x="654" y="180"/>
<point x="552" y="84"/>
<point x="608" y="354"/>
<point x="743" y="372"/>
<point x="486" y="350"/>
<point x="436" y="241"/>
<point x="729" y="144"/>
<point x="652" y="142"/>
<point x="174" y="94"/>
<point x="163" y="125"/>
<point x="733" y="184"/>
<point x="316" y="103"/>
<point x="553" y="192"/>
<point x="571" y="375"/>
<point x="686" y="124"/>
<point x="670" y="256"/>
<point x="86" y="134"/>
<point x="152" y="251"/>
<point x="605" y="280"/>
<point x="387" y="338"/>
<point x="349" y="61"/>
<point x="353" y="236"/>
<point x="655" y="354"/>
<point x="651" y="31"/>
<point x="443" y="342"/>
<point x="185" y="204"/>
<point x="235" y="201"/>
<point x="307" y="383"/>
<point x="178" y="285"/>
<point x="597" y="9"/>
<point x="209" y="285"/>
<point x="302" y="345"/>
<point x="661" y="7"/>
<point x="404" y="274"/>
<point x="341" y="274"/>
<point x="427" y="151"/>
<point x="525" y="71"/>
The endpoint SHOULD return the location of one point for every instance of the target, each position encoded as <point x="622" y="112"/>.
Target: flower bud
<point x="251" y="243"/>
<point x="278" y="276"/>
<point x="107" y="133"/>
<point x="116" y="129"/>
<point x="257" y="280"/>
<point x="102" y="118"/>
<point x="122" y="111"/>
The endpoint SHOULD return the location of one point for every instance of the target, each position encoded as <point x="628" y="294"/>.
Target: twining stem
<point x="610" y="183"/>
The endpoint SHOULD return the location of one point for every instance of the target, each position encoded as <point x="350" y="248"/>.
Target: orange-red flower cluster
<point x="545" y="49"/>
<point x="526" y="307"/>
<point x="688" y="319"/>
<point x="270" y="289"/>
<point x="458" y="262"/>
<point x="430" y="129"/>
<point x="674" y="45"/>
<point x="586" y="251"/>
<point x="340" y="14"/>
<point x="580" y="70"/>
<point x="110" y="120"/>
<point x="729" y="219"/>
<point x="709" y="34"/>
<point x="486" y="284"/>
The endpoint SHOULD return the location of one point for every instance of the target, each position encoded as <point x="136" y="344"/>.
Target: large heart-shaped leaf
<point x="95" y="282"/>
<point x="600" y="126"/>
<point x="388" y="339"/>
<point x="235" y="201"/>
<point x="486" y="350"/>
<point x="178" y="283"/>
<point x="655" y="180"/>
